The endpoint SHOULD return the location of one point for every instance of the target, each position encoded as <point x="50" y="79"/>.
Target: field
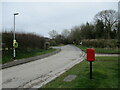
<point x="105" y="75"/>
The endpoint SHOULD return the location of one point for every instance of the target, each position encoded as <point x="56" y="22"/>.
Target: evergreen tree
<point x="99" y="29"/>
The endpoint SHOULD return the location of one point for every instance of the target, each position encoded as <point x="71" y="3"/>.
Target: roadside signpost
<point x="90" y="58"/>
<point x="15" y="44"/>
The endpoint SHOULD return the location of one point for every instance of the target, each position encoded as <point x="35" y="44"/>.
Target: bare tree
<point x="53" y="34"/>
<point x="109" y="18"/>
<point x="65" y="33"/>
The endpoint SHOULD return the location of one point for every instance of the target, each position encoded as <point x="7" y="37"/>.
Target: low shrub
<point x="100" y="43"/>
<point x="25" y="40"/>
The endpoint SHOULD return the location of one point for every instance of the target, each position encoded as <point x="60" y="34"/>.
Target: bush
<point x="100" y="43"/>
<point x="25" y="40"/>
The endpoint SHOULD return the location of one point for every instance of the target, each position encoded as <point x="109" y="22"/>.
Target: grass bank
<point x="26" y="53"/>
<point x="101" y="50"/>
<point x="105" y="75"/>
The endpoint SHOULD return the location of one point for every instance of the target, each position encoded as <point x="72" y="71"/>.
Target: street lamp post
<point x="14" y="55"/>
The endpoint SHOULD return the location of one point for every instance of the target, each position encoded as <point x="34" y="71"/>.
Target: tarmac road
<point x="37" y="73"/>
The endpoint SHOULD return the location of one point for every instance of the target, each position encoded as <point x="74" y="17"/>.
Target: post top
<point x="16" y="13"/>
<point x="90" y="49"/>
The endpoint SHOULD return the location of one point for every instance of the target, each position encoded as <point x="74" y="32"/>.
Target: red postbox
<point x="90" y="54"/>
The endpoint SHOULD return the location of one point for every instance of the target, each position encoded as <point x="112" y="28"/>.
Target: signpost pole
<point x="14" y="54"/>
<point x="90" y="69"/>
<point x="14" y="39"/>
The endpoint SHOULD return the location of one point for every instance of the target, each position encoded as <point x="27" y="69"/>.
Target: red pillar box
<point x="90" y="54"/>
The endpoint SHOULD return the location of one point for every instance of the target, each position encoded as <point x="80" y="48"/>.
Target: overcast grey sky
<point x="41" y="18"/>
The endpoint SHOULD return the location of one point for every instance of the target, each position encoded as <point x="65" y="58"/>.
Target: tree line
<point x="105" y="26"/>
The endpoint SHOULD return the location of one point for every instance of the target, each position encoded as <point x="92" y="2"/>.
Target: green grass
<point x="0" y="59"/>
<point x="8" y="55"/>
<point x="101" y="50"/>
<point x="105" y="75"/>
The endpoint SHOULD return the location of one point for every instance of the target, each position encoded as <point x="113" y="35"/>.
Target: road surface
<point x="37" y="73"/>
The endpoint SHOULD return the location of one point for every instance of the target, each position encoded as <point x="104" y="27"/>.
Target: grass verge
<point x="26" y="53"/>
<point x="101" y="50"/>
<point x="105" y="75"/>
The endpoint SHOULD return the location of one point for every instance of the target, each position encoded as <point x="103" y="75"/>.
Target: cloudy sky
<point x="42" y="17"/>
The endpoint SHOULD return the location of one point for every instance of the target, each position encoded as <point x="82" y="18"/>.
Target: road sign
<point x="15" y="44"/>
